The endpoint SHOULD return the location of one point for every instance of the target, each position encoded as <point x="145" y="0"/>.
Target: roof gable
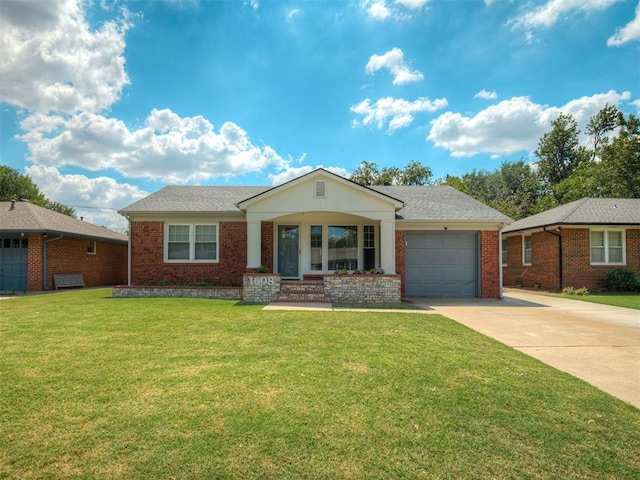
<point x="320" y="174"/>
<point x="25" y="217"/>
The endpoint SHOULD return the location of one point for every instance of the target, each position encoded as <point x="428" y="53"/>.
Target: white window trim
<point x="95" y="247"/>
<point x="524" y="262"/>
<point x="192" y="242"/>
<point x="606" y="231"/>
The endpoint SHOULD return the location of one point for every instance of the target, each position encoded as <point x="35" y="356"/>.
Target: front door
<point x="13" y="264"/>
<point x="288" y="251"/>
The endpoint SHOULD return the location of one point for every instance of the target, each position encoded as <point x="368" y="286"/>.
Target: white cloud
<point x="397" y="111"/>
<point x="292" y="13"/>
<point x="393" y="61"/>
<point x="51" y="60"/>
<point x="413" y="4"/>
<point x="95" y="199"/>
<point x="636" y="103"/>
<point x="169" y="147"/>
<point x="376" y="9"/>
<point x="548" y="14"/>
<point x="512" y="125"/>
<point x="379" y="9"/>
<point x="628" y="33"/>
<point x="486" y="95"/>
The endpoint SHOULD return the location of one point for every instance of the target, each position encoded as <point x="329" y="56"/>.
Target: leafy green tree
<point x="15" y="186"/>
<point x="455" y="182"/>
<point x="585" y="181"/>
<point x="620" y="161"/>
<point x="413" y="174"/>
<point x="514" y="189"/>
<point x="366" y="174"/>
<point x="603" y="122"/>
<point x="559" y="152"/>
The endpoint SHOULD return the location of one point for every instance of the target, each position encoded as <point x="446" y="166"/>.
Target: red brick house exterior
<point x="36" y="244"/>
<point x="573" y="245"/>
<point x="250" y="225"/>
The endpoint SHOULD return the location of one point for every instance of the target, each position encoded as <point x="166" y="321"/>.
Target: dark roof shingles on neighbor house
<point x="432" y="203"/>
<point x="24" y="217"/>
<point x="586" y="211"/>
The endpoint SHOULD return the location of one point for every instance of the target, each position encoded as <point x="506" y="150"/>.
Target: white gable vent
<point x="320" y="189"/>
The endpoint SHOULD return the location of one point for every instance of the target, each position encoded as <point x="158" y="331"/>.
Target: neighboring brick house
<point x="439" y="241"/>
<point x="36" y="244"/>
<point x="573" y="245"/>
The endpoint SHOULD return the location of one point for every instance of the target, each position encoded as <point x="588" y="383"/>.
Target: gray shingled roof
<point x="586" y="211"/>
<point x="194" y="199"/>
<point x="28" y="218"/>
<point x="432" y="203"/>
<point x="440" y="202"/>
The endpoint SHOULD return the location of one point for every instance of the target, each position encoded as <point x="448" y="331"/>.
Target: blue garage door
<point x="442" y="264"/>
<point x="13" y="264"/>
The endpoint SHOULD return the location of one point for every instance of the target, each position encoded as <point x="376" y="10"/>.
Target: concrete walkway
<point x="597" y="343"/>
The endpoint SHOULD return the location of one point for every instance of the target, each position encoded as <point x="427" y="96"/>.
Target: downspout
<point x="129" y="253"/>
<point x="500" y="291"/>
<point x="559" y="253"/>
<point x="44" y="273"/>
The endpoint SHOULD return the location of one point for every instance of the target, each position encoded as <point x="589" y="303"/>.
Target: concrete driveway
<point x="597" y="343"/>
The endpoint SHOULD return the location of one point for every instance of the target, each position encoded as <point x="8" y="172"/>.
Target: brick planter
<point x="367" y="288"/>
<point x="224" y="293"/>
<point x="261" y="287"/>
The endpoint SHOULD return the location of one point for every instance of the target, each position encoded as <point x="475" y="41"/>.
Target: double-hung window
<point x="191" y="242"/>
<point x="607" y="247"/>
<point x="526" y="250"/>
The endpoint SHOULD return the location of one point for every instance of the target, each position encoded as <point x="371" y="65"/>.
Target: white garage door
<point x="442" y="264"/>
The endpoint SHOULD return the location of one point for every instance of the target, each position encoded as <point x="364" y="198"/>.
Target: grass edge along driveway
<point x="614" y="299"/>
<point x="96" y="387"/>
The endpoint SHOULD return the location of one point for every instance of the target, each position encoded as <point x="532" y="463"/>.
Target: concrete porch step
<point x="305" y="291"/>
<point x="305" y="298"/>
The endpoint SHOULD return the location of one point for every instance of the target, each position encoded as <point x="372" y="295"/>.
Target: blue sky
<point x="104" y="102"/>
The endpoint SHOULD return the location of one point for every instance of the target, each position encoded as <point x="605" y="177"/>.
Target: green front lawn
<point x="97" y="387"/>
<point x="628" y="300"/>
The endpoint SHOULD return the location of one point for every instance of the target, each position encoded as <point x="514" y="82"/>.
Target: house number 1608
<point x="261" y="280"/>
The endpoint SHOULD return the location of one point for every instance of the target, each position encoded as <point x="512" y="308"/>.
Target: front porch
<point x="269" y="287"/>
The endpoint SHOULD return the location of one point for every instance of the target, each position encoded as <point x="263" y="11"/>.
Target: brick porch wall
<point x="577" y="270"/>
<point x="266" y="255"/>
<point x="69" y="255"/>
<point x="148" y="267"/>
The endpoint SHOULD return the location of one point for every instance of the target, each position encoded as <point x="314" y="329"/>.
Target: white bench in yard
<point x="63" y="280"/>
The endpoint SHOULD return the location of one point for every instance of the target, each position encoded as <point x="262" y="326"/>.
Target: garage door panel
<point x="441" y="264"/>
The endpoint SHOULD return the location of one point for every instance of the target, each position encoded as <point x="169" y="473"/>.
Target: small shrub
<point x="575" y="291"/>
<point x="263" y="269"/>
<point x="622" y="280"/>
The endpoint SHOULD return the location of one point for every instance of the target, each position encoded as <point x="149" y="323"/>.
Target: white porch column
<point x="388" y="246"/>
<point x="254" y="241"/>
